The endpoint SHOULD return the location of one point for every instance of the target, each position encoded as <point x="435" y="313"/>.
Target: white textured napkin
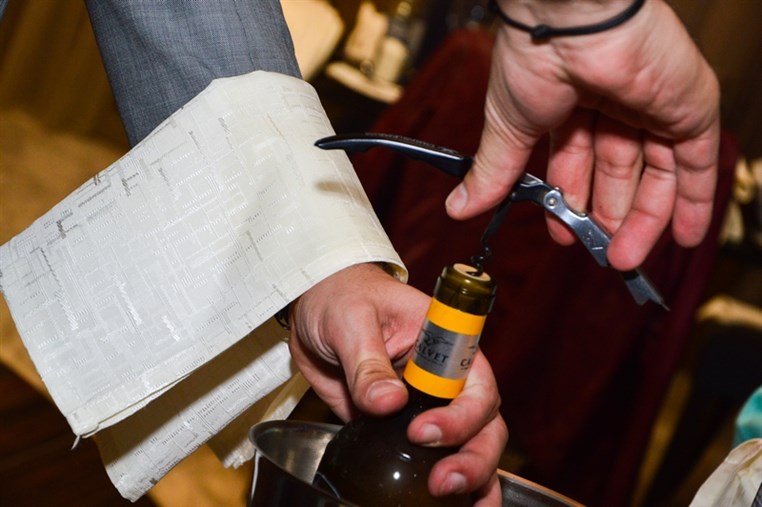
<point x="136" y="290"/>
<point x="737" y="482"/>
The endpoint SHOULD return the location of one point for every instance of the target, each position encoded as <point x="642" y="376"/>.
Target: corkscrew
<point x="528" y="188"/>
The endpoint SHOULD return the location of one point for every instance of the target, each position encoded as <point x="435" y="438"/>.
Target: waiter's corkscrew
<point x="528" y="188"/>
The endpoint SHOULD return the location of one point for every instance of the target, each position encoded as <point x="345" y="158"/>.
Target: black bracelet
<point x="540" y="32"/>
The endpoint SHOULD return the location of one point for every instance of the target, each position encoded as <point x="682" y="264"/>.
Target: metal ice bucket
<point x="288" y="453"/>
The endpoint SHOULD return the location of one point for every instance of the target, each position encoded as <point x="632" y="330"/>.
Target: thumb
<point x="498" y="163"/>
<point x="373" y="384"/>
<point x="376" y="389"/>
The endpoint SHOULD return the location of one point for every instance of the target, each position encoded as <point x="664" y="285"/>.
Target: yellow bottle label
<point x="455" y="320"/>
<point x="432" y="384"/>
<point x="444" y="351"/>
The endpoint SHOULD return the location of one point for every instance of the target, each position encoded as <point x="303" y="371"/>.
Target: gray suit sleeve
<point x="160" y="54"/>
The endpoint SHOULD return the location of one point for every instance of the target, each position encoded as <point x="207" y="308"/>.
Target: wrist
<point x="553" y="18"/>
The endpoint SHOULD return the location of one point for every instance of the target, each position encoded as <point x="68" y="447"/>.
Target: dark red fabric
<point x="581" y="368"/>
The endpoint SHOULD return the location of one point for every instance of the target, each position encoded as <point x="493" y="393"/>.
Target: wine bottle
<point x="370" y="461"/>
<point x="399" y="46"/>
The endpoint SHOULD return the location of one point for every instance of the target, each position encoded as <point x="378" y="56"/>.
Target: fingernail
<point x="454" y="483"/>
<point x="381" y="388"/>
<point x="429" y="434"/>
<point x="457" y="199"/>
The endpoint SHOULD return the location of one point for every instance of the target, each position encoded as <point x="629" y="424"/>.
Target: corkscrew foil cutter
<point x="528" y="188"/>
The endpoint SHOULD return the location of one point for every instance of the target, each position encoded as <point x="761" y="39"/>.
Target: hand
<point x="633" y="117"/>
<point x="351" y="331"/>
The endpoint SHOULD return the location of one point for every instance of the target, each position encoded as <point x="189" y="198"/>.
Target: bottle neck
<point x="444" y="351"/>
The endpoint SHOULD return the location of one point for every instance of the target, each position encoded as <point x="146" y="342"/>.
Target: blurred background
<point x="607" y="402"/>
